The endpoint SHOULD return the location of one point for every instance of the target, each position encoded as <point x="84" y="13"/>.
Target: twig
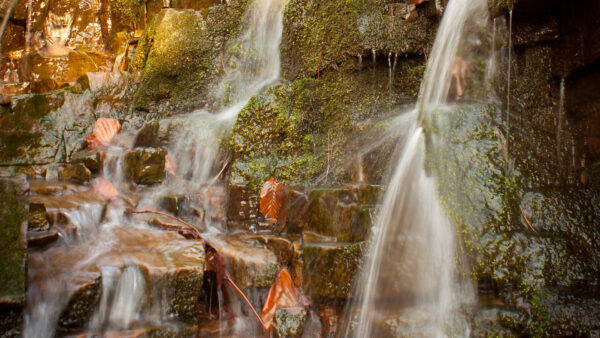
<point x="220" y="172"/>
<point x="244" y="296"/>
<point x="200" y="236"/>
<point x="526" y="219"/>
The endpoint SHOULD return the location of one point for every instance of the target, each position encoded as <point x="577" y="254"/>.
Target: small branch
<point x="245" y="299"/>
<point x="220" y="172"/>
<point x="526" y="219"/>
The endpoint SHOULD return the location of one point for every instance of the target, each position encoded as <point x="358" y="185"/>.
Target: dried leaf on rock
<point x="170" y="165"/>
<point x="273" y="201"/>
<point x="282" y="294"/>
<point x="105" y="189"/>
<point x="104" y="131"/>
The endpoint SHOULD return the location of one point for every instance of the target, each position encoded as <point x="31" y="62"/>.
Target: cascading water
<point x="123" y="255"/>
<point x="254" y="63"/>
<point x="411" y="262"/>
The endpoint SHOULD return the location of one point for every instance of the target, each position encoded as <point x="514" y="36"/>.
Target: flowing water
<point x="410" y="267"/>
<point x="123" y="257"/>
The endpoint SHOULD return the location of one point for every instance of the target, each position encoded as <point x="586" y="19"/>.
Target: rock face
<point x="13" y="227"/>
<point x="145" y="166"/>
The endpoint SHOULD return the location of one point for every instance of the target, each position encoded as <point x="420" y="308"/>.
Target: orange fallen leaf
<point x="272" y="201"/>
<point x="418" y="2"/>
<point x="459" y="73"/>
<point x="282" y="294"/>
<point x="105" y="189"/>
<point x="170" y="165"/>
<point x="104" y="131"/>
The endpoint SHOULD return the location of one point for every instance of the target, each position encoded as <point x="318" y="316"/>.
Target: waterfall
<point x="411" y="259"/>
<point x="254" y="64"/>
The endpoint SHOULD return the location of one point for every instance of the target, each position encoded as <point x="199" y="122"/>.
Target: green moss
<point x="178" y="56"/>
<point x="305" y="133"/>
<point x="186" y="290"/>
<point x="13" y="217"/>
<point x="321" y="35"/>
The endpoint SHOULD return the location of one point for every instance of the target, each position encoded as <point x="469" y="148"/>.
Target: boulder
<point x="145" y="166"/>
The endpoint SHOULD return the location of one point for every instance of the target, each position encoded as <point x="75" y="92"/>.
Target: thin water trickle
<point x="559" y="118"/>
<point x="256" y="59"/>
<point x="508" y="79"/>
<point x="410" y="267"/>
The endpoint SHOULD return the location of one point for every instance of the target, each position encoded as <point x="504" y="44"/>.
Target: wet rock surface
<point x="145" y="166"/>
<point x="330" y="268"/>
<point x="289" y="322"/>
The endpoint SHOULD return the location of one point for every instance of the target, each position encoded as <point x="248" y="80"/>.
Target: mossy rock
<point x="336" y="213"/>
<point x="77" y="173"/>
<point x="330" y="269"/>
<point x="145" y="166"/>
<point x="81" y="305"/>
<point x="289" y="322"/>
<point x="178" y="56"/>
<point x="45" y="128"/>
<point x="358" y="27"/>
<point x="306" y="133"/>
<point x="89" y="158"/>
<point x="37" y="219"/>
<point x="13" y="251"/>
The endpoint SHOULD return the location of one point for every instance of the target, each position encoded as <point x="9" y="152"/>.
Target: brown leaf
<point x="170" y="165"/>
<point x="459" y="73"/>
<point x="282" y="294"/>
<point x="104" y="131"/>
<point x="105" y="189"/>
<point x="418" y="2"/>
<point x="273" y="201"/>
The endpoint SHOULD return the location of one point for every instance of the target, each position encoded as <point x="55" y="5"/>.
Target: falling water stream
<point x="411" y="266"/>
<point x="125" y="253"/>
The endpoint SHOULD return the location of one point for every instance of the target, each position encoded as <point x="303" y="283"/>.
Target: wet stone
<point x="37" y="220"/>
<point x="148" y="136"/>
<point x="248" y="262"/>
<point x="242" y="204"/>
<point x="289" y="321"/>
<point x="81" y="305"/>
<point x="89" y="158"/>
<point x="40" y="239"/>
<point x="13" y="227"/>
<point x="337" y="213"/>
<point x="174" y="204"/>
<point x="77" y="173"/>
<point x="145" y="166"/>
<point x="330" y="269"/>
